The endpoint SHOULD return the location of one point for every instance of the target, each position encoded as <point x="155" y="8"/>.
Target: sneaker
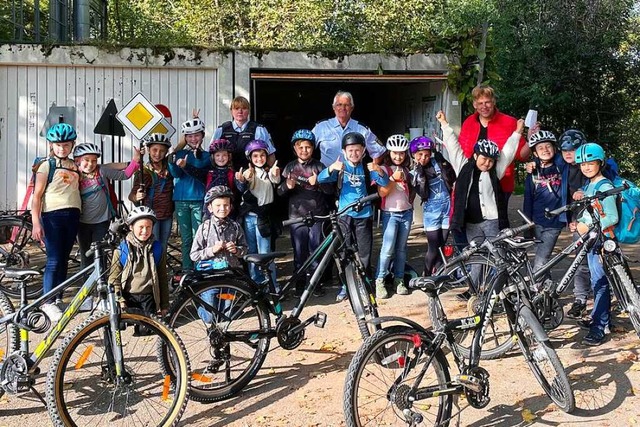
<point x="401" y="289"/>
<point x="381" y="289"/>
<point x="586" y="324"/>
<point x="592" y="339"/>
<point x="577" y="310"/>
<point x="342" y="295"/>
<point x="52" y="311"/>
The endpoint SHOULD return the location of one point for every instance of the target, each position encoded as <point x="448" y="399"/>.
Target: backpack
<point x="156" y="247"/>
<point x="627" y="230"/>
<point x="36" y="165"/>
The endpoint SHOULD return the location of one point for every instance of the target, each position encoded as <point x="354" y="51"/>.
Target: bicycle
<point x="224" y="317"/>
<point x="400" y="375"/>
<point x="103" y="373"/>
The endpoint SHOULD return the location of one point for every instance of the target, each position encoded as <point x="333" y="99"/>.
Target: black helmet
<point x="217" y="192"/>
<point x="353" y="138"/>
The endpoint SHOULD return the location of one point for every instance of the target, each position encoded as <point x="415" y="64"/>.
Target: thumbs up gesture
<point x="240" y="176"/>
<point x="336" y="166"/>
<point x="250" y="173"/>
<point x="182" y="162"/>
<point x="275" y="170"/>
<point x="398" y="175"/>
<point x="313" y="179"/>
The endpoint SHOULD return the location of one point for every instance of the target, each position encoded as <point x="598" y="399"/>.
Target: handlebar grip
<point x="369" y="198"/>
<point x="464" y="255"/>
<point x="291" y="221"/>
<point x="551" y="213"/>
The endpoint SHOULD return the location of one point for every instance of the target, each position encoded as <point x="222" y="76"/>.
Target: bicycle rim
<point x="543" y="360"/>
<point x="8" y="332"/>
<point x="83" y="388"/>
<point x="221" y="367"/>
<point x="361" y="301"/>
<point x="20" y="251"/>
<point x="376" y="392"/>
<point x="629" y="297"/>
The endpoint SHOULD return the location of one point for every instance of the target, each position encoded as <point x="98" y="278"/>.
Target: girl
<point x="55" y="210"/>
<point x="432" y="178"/>
<point x="257" y="185"/>
<point x="397" y="215"/>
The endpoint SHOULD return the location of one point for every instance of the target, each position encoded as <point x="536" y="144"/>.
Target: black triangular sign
<point x="108" y="124"/>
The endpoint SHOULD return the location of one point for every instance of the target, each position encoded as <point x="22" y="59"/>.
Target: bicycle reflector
<point x="609" y="246"/>
<point x="417" y="340"/>
<point x="447" y="250"/>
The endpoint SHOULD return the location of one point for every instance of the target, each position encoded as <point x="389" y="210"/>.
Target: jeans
<point x="87" y="234"/>
<point x="601" y="295"/>
<point x="305" y="241"/>
<point x="435" y="212"/>
<point x="395" y="233"/>
<point x="548" y="238"/>
<point x="162" y="231"/>
<point x="189" y="219"/>
<point x="582" y="278"/>
<point x="478" y="232"/>
<point x="60" y="231"/>
<point x="359" y="231"/>
<point x="257" y="244"/>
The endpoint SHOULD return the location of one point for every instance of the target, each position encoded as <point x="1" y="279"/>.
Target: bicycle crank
<point x="476" y="387"/>
<point x="290" y="333"/>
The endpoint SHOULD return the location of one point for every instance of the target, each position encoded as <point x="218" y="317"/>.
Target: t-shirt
<point x="63" y="190"/>
<point x="95" y="201"/>
<point x="398" y="198"/>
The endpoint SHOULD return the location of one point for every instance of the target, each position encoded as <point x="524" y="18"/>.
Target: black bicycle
<point x="400" y="375"/>
<point x="224" y="317"/>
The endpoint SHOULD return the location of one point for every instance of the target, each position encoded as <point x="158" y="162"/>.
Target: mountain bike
<point x="104" y="372"/>
<point x="400" y="375"/>
<point x="224" y="317"/>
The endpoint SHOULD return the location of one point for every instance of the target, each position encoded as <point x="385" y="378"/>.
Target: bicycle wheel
<point x="83" y="388"/>
<point x="543" y="360"/>
<point x="224" y="358"/>
<point x="627" y="294"/>
<point x="8" y="332"/>
<point x="498" y="339"/>
<point x="19" y="250"/>
<point x="378" y="391"/>
<point x="362" y="301"/>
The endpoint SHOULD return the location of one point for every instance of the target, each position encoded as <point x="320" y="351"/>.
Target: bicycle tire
<point x="368" y="375"/>
<point x="499" y="337"/>
<point x="535" y="346"/>
<point x="8" y="332"/>
<point x="361" y="302"/>
<point x="210" y="383"/>
<point x="628" y="294"/>
<point x="22" y="252"/>
<point x="80" y="368"/>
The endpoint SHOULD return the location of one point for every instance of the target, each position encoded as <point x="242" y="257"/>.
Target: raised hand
<point x="240" y="176"/>
<point x="140" y="194"/>
<point x="137" y="154"/>
<point x="374" y="167"/>
<point x="336" y="166"/>
<point x="182" y="162"/>
<point x="441" y="118"/>
<point x="250" y="173"/>
<point x="520" y="126"/>
<point x="275" y="170"/>
<point x="195" y="113"/>
<point x="313" y="179"/>
<point x="398" y="175"/>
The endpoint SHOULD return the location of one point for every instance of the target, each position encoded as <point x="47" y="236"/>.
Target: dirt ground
<point x="303" y="387"/>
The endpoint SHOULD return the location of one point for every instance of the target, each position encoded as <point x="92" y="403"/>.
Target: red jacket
<point x="499" y="130"/>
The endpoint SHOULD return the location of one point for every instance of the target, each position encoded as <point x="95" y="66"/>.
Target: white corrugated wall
<point x="27" y="92"/>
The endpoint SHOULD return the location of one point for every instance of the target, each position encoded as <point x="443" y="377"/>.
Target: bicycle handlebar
<point x="117" y="230"/>
<point x="586" y="200"/>
<point x="358" y="204"/>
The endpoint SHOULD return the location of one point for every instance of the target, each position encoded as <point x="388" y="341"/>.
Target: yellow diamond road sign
<point x="164" y="127"/>
<point x="139" y="116"/>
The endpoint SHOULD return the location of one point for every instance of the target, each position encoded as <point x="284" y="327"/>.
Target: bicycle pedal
<point x="320" y="319"/>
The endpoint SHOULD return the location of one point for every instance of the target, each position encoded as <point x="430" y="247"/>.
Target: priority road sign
<point x="139" y="116"/>
<point x="164" y="127"/>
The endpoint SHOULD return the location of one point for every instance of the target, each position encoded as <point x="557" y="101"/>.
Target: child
<point x="591" y="159"/>
<point x="351" y="178"/>
<point x="397" y="215"/>
<point x="219" y="242"/>
<point x="153" y="187"/>
<point x="432" y="178"/>
<point x="55" y="210"/>
<point x="543" y="189"/>
<point x="257" y="185"/>
<point x="97" y="207"/>
<point x="139" y="268"/>
<point x="305" y="196"/>
<point x="188" y="191"/>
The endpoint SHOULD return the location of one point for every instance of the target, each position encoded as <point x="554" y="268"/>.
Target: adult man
<point x="489" y="123"/>
<point x="329" y="132"/>
<point x="241" y="130"/>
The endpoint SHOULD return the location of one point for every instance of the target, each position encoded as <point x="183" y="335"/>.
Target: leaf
<point x="528" y="416"/>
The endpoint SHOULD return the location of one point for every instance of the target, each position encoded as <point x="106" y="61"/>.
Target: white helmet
<point x="86" y="148"/>
<point x="157" y="138"/>
<point x="542" y="136"/>
<point x="192" y="126"/>
<point x="397" y="143"/>
<point x="141" y="212"/>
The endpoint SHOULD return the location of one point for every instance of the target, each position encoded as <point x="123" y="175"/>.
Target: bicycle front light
<point x="610" y="246"/>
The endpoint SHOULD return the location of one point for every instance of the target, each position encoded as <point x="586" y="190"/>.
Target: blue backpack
<point x="628" y="228"/>
<point x="124" y="252"/>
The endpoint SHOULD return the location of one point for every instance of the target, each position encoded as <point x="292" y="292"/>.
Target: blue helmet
<point x="61" y="132"/>
<point x="589" y="152"/>
<point x="303" y="135"/>
<point x="572" y="139"/>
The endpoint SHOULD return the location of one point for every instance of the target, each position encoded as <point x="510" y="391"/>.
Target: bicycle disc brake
<point x="478" y="379"/>
<point x="14" y="377"/>
<point x="287" y="338"/>
<point x="551" y="317"/>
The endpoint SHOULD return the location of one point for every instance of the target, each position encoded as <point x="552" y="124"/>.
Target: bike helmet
<point x="589" y="152"/>
<point x="303" y="135"/>
<point x="192" y="126"/>
<point x="256" y="144"/>
<point x="61" y="132"/>
<point x="420" y="143"/>
<point x="221" y="145"/>
<point x="487" y="148"/>
<point x="397" y="143"/>
<point x="158" y="138"/>
<point x="141" y="212"/>
<point x="572" y="139"/>
<point x="216" y="192"/>
<point x="541" y="136"/>
<point x="353" y="138"/>
<point x="87" y="148"/>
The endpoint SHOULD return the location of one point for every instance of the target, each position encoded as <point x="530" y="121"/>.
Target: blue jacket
<point x="546" y="189"/>
<point x="187" y="187"/>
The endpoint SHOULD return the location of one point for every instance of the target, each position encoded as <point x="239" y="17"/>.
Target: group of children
<point x="455" y="193"/>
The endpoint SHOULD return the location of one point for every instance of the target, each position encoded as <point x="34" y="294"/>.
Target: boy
<point x="351" y="178"/>
<point x="139" y="267"/>
<point x="305" y="196"/>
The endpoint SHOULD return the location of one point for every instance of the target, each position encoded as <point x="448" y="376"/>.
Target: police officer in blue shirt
<point x="329" y="132"/>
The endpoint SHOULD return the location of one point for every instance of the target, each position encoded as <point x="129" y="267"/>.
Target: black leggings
<point x="432" y="259"/>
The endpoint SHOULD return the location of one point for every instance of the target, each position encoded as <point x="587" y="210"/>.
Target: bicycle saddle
<point x="429" y="283"/>
<point x="20" y="274"/>
<point x="263" y="259"/>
